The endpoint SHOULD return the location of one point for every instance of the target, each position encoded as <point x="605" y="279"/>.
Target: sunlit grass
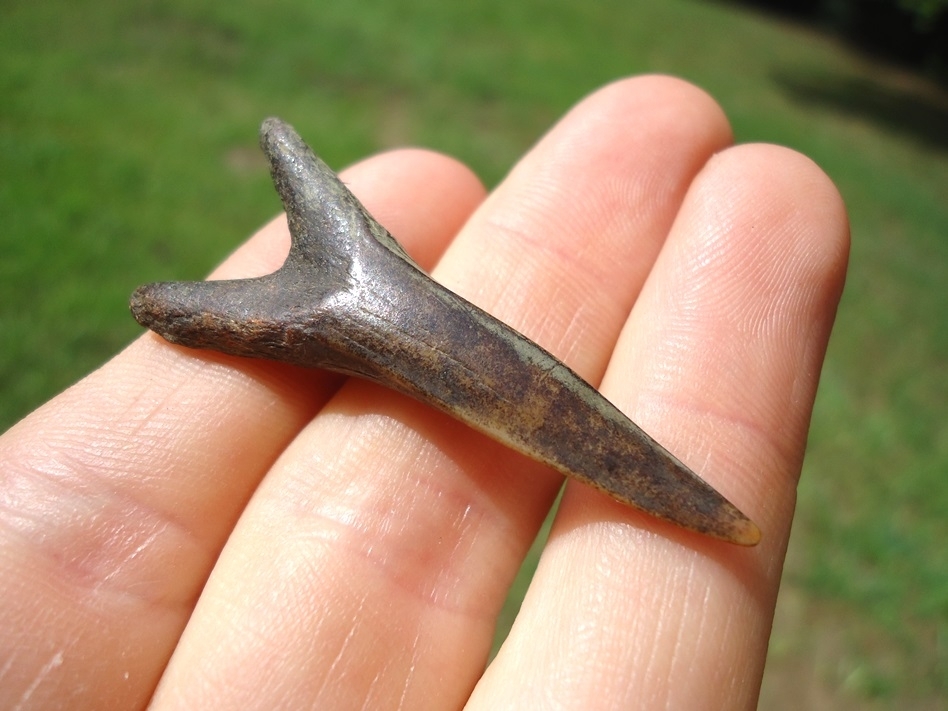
<point x="128" y="154"/>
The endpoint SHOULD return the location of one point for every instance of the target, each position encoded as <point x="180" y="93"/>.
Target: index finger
<point x="117" y="496"/>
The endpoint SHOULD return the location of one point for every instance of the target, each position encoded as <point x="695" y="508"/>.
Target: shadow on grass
<point x="920" y="116"/>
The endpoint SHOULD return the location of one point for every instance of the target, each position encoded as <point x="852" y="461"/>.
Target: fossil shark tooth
<point x="349" y="299"/>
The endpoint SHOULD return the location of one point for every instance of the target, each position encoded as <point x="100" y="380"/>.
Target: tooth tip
<point x="744" y="532"/>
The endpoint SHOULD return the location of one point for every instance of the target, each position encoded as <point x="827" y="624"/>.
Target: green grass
<point x="128" y="154"/>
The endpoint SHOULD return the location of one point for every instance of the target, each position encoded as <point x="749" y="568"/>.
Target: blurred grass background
<point x="128" y="154"/>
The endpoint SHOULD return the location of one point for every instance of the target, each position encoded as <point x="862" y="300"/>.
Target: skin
<point x="203" y="531"/>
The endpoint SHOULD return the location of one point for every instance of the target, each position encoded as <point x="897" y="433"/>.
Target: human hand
<point x="364" y="543"/>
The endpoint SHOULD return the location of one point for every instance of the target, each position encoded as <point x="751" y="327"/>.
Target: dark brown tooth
<point x="349" y="299"/>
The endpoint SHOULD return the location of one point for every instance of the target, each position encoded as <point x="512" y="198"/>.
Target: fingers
<point x="719" y="360"/>
<point x="372" y="560"/>
<point x="370" y="565"/>
<point x="116" y="497"/>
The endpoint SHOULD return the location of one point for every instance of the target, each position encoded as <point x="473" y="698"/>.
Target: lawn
<point x="128" y="154"/>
